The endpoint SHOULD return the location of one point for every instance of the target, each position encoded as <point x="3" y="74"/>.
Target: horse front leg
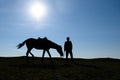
<point x="49" y="55"/>
<point x="43" y="55"/>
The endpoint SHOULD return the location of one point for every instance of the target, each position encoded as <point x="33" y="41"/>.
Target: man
<point x="68" y="48"/>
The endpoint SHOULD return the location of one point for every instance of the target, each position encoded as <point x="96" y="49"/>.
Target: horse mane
<point x="55" y="44"/>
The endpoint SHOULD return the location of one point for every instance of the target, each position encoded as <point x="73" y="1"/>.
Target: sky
<point x="92" y="25"/>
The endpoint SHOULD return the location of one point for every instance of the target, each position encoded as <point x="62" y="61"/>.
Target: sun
<point x="37" y="10"/>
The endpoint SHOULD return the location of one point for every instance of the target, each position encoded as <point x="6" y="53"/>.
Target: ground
<point x="16" y="68"/>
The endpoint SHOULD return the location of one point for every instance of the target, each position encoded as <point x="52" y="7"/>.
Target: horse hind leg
<point x="27" y="53"/>
<point x="31" y="54"/>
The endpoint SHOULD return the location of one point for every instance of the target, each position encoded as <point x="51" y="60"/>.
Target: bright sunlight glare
<point x="37" y="10"/>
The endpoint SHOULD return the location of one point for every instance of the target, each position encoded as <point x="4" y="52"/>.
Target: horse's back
<point x="40" y="43"/>
<point x="37" y="43"/>
<point x="31" y="39"/>
<point x="30" y="42"/>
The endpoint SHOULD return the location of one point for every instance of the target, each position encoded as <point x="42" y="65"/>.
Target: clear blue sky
<point x="92" y="25"/>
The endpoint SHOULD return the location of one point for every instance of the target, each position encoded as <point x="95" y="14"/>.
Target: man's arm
<point x="71" y="45"/>
<point x="65" y="46"/>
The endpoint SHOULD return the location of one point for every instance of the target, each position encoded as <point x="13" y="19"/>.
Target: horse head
<point x="60" y="51"/>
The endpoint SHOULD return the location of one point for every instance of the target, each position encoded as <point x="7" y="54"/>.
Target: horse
<point x="40" y="43"/>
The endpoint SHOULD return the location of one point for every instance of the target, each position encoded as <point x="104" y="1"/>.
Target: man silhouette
<point x="68" y="48"/>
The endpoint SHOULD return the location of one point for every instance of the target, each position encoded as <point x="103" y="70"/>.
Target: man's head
<point x="68" y="38"/>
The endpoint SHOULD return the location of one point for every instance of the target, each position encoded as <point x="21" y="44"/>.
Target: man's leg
<point x="71" y="54"/>
<point x="66" y="55"/>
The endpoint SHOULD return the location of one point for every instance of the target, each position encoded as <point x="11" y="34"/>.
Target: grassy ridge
<point x="17" y="68"/>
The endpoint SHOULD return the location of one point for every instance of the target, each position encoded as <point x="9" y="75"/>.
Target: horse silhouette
<point x="40" y="43"/>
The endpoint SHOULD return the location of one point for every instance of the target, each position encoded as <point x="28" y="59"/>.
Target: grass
<point x="16" y="68"/>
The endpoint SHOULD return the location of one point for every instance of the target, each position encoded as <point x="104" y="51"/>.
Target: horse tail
<point x="21" y="44"/>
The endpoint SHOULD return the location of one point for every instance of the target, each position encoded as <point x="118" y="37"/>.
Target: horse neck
<point x="54" y="45"/>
